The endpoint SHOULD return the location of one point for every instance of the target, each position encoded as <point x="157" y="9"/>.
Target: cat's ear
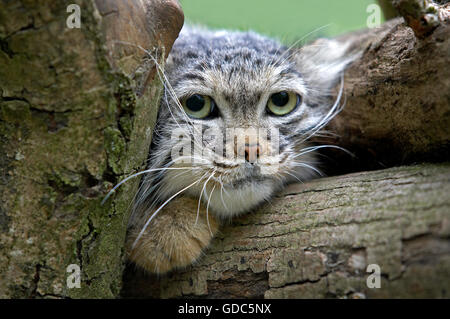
<point x="322" y="63"/>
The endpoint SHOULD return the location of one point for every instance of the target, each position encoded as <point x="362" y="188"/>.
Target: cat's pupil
<point x="195" y="103"/>
<point x="280" y="99"/>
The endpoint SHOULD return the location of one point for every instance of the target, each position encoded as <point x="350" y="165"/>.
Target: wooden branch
<point x="317" y="239"/>
<point x="70" y="128"/>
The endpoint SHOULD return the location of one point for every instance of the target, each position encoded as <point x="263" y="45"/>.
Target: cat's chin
<point x="241" y="197"/>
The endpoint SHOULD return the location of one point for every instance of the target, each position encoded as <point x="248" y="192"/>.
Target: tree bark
<point x="317" y="239"/>
<point x="77" y="111"/>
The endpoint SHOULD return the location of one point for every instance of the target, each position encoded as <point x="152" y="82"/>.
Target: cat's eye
<point x="199" y="106"/>
<point x="283" y="102"/>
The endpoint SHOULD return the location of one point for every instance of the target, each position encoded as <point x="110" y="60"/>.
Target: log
<point x="77" y="110"/>
<point x="317" y="239"/>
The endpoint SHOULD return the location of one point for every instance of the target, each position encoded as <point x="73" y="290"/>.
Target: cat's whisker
<point x="289" y="49"/>
<point x="314" y="148"/>
<point x="167" y="85"/>
<point x="150" y="188"/>
<point x="296" y="177"/>
<point x="137" y="174"/>
<point x="279" y="177"/>
<point x="326" y="134"/>
<point x="293" y="52"/>
<point x="221" y="192"/>
<point x="192" y="127"/>
<point x="159" y="209"/>
<point x="172" y="93"/>
<point x="302" y="164"/>
<point x="207" y="210"/>
<point x="161" y="188"/>
<point x="173" y="116"/>
<point x="335" y="109"/>
<point x="189" y="157"/>
<point x="200" y="197"/>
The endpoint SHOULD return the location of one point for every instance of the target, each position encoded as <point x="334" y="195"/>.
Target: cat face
<point x="236" y="116"/>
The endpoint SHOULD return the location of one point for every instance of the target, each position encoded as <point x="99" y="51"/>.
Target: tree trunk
<point x="71" y="126"/>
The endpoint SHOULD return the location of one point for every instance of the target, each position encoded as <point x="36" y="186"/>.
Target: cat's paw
<point x="173" y="239"/>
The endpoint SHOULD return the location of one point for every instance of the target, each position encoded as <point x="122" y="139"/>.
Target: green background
<point x="288" y="20"/>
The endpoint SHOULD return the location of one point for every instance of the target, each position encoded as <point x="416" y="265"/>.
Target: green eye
<point x="283" y="102"/>
<point x="198" y="106"/>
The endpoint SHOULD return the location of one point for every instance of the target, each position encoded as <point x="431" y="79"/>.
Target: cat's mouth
<point x="242" y="173"/>
<point x="223" y="164"/>
<point x="234" y="188"/>
<point x="237" y="193"/>
<point x="237" y="176"/>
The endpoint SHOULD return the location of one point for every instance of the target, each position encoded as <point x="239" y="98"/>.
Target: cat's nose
<point x="252" y="152"/>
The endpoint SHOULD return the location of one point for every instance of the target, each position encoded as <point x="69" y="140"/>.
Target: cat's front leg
<point x="175" y="238"/>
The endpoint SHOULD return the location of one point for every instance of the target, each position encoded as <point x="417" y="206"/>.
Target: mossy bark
<point x="76" y="114"/>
